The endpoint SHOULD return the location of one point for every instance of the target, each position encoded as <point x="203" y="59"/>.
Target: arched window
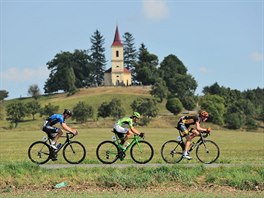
<point x="117" y="53"/>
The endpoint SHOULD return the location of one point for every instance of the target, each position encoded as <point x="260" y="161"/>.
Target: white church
<point x="117" y="74"/>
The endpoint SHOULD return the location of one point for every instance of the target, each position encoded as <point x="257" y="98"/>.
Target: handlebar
<point x="69" y="135"/>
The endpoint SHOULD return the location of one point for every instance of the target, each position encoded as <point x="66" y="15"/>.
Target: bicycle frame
<point x="68" y="136"/>
<point x="135" y="140"/>
<point x="195" y="144"/>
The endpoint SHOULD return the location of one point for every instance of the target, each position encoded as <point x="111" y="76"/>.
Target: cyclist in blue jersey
<point x="53" y="132"/>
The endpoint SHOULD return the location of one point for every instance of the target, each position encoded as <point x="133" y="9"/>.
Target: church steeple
<point x="117" y="41"/>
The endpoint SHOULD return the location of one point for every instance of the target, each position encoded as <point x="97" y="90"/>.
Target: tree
<point x="159" y="90"/>
<point x="146" y="70"/>
<point x="130" y="52"/>
<point x="213" y="89"/>
<point x="3" y="94"/>
<point x="104" y="110"/>
<point x="174" y="73"/>
<point x="113" y="108"/>
<point x="62" y="75"/>
<point x="116" y="109"/>
<point x="48" y="110"/>
<point x="145" y="106"/>
<point x="34" y="91"/>
<point x="82" y="111"/>
<point x="214" y="105"/>
<point x="98" y="57"/>
<point x="188" y="103"/>
<point x="15" y="112"/>
<point x="234" y="120"/>
<point x="33" y="108"/>
<point x="174" y="105"/>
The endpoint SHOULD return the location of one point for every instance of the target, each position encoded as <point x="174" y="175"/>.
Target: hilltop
<point x="95" y="96"/>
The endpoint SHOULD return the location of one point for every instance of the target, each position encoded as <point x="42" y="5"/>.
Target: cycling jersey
<point x="125" y="122"/>
<point x="189" y="120"/>
<point x="54" y="119"/>
<point x="122" y="125"/>
<point x="185" y="122"/>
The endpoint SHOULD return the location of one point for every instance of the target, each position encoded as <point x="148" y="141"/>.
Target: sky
<point x="217" y="40"/>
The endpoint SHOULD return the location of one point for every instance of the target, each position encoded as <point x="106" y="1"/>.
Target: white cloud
<point x="256" y="56"/>
<point x="203" y="70"/>
<point x="15" y="74"/>
<point x="155" y="9"/>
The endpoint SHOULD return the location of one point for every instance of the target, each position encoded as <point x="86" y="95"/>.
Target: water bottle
<point x="179" y="138"/>
<point x="114" y="138"/>
<point x="44" y="138"/>
<point x="62" y="184"/>
<point x="59" y="146"/>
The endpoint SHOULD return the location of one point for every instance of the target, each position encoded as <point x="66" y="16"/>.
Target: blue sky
<point x="218" y="40"/>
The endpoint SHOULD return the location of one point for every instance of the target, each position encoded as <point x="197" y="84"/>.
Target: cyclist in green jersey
<point x="124" y="126"/>
<point x="189" y="133"/>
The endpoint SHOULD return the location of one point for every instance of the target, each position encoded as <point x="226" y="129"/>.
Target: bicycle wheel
<point x="107" y="152"/>
<point x="74" y="152"/>
<point x="171" y="152"/>
<point x="39" y="152"/>
<point x="141" y="152"/>
<point x="207" y="152"/>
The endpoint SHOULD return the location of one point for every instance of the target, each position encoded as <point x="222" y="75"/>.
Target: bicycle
<point x="207" y="151"/>
<point x="109" y="152"/>
<point x="40" y="152"/>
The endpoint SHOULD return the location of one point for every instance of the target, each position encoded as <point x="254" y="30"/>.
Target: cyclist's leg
<point x="59" y="134"/>
<point x="191" y="134"/>
<point x="53" y="133"/>
<point x="121" y="132"/>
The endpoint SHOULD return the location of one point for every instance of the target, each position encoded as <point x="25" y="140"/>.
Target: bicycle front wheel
<point x="171" y="152"/>
<point x="141" y="152"/>
<point x="207" y="152"/>
<point x="74" y="152"/>
<point x="39" y="152"/>
<point x="107" y="152"/>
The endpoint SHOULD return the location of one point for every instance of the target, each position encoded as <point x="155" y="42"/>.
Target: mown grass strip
<point x="22" y="174"/>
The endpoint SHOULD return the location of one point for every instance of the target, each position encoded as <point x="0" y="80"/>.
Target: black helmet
<point x="67" y="112"/>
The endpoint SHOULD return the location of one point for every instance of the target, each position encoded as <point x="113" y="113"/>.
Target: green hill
<point x="93" y="96"/>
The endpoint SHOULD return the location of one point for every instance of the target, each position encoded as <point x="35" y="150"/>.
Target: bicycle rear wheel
<point x="107" y="152"/>
<point x="74" y="152"/>
<point x="39" y="152"/>
<point x="141" y="152"/>
<point x="207" y="152"/>
<point x="171" y="152"/>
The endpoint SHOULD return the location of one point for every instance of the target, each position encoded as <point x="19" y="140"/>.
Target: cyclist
<point x="184" y="124"/>
<point x="53" y="132"/>
<point x="125" y="126"/>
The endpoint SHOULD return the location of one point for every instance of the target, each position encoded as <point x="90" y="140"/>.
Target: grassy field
<point x="22" y="178"/>
<point x="236" y="147"/>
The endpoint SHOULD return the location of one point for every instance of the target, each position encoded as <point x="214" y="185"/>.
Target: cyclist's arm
<point x="67" y="128"/>
<point x="134" y="130"/>
<point x="199" y="128"/>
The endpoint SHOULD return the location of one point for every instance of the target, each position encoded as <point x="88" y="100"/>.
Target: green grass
<point x="21" y="178"/>
<point x="235" y="147"/>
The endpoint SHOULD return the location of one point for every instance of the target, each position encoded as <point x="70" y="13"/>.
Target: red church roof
<point x="117" y="41"/>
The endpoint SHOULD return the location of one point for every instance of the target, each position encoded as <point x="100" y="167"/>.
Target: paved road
<point x="54" y="166"/>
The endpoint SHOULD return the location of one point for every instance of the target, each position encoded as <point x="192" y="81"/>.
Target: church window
<point x="117" y="53"/>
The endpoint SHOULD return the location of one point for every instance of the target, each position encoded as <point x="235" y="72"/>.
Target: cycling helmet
<point x="204" y="114"/>
<point x="67" y="112"/>
<point x="136" y="114"/>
